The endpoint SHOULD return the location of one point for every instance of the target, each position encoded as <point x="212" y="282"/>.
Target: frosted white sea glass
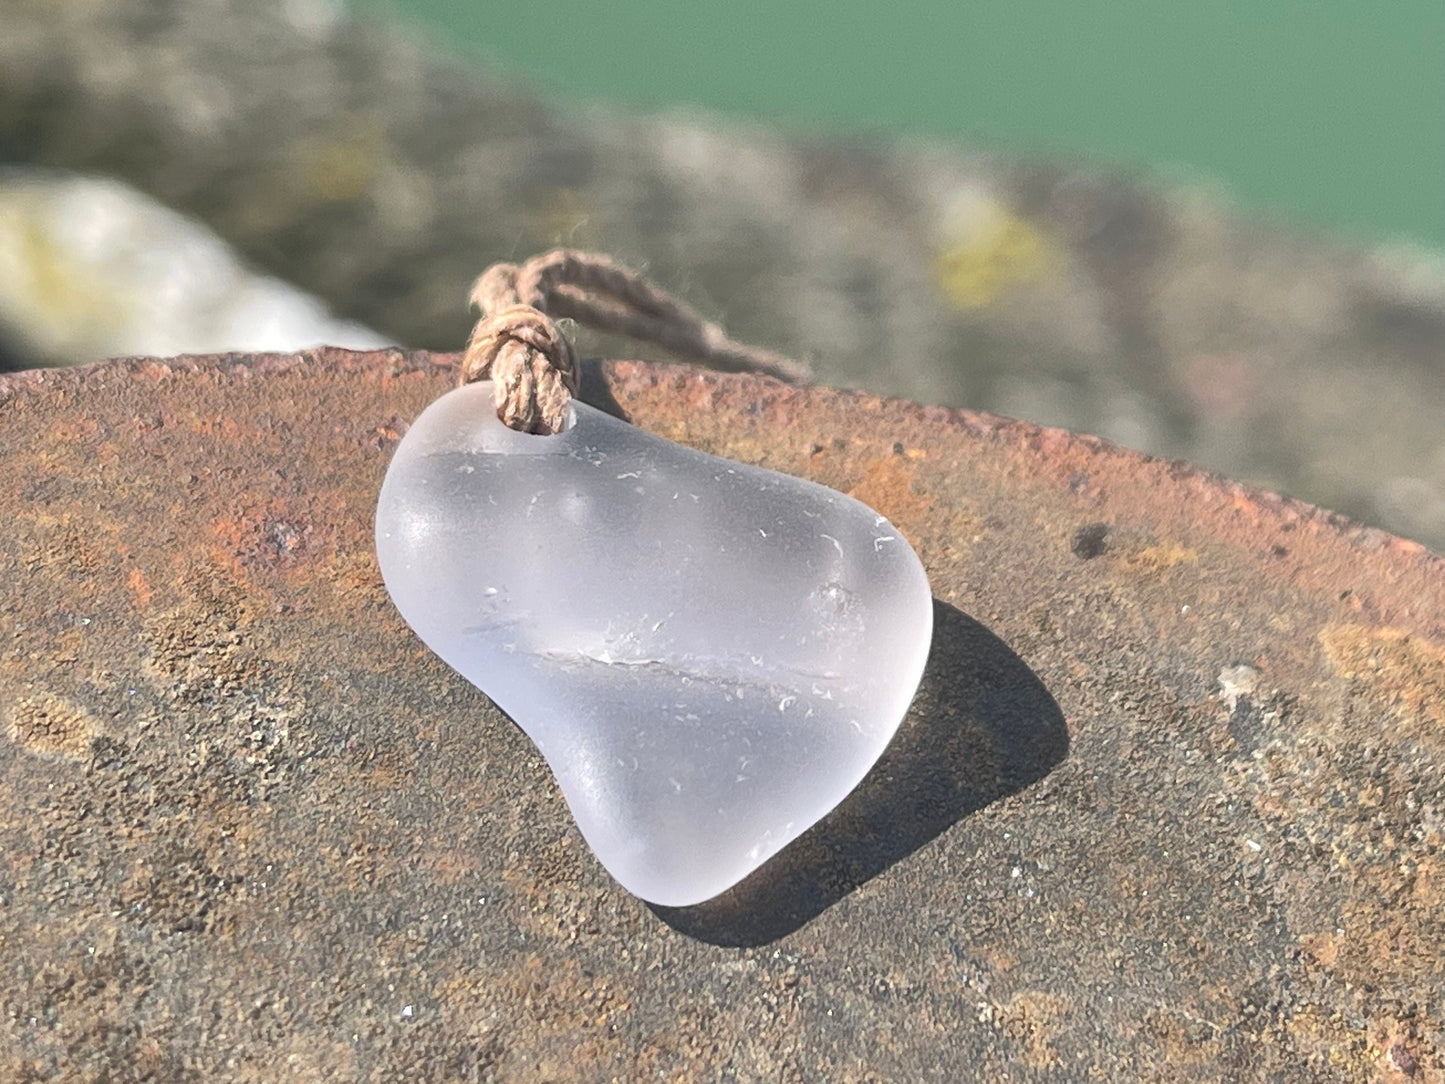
<point x="709" y="655"/>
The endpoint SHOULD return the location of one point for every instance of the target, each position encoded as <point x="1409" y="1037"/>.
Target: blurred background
<point x="1213" y="232"/>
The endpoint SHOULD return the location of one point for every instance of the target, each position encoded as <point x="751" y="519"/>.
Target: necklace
<point x="708" y="654"/>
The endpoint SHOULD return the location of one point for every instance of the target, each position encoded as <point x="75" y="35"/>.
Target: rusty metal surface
<point x="1169" y="805"/>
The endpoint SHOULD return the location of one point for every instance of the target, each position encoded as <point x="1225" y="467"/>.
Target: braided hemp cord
<point x="533" y="366"/>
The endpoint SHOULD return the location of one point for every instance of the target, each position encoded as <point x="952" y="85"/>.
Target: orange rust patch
<point x="1406" y="672"/>
<point x="74" y="430"/>
<point x="454" y="865"/>
<point x="1158" y="557"/>
<point x="51" y="726"/>
<point x="1028" y="1020"/>
<point x="1185" y="1037"/>
<point x="357" y="573"/>
<point x="887" y="486"/>
<point x="1329" y="1041"/>
<point x="1368" y="948"/>
<point x="1323" y="948"/>
<point x="140" y="590"/>
<point x="273" y="535"/>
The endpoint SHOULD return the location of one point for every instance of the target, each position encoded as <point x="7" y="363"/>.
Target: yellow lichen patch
<point x="1158" y="557"/>
<point x="990" y="251"/>
<point x="72" y="308"/>
<point x="51" y="726"/>
<point x="562" y="217"/>
<point x="1403" y="671"/>
<point x="342" y="169"/>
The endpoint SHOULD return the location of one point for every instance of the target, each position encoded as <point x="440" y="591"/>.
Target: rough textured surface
<point x="1169" y="805"/>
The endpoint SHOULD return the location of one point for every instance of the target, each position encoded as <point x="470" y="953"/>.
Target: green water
<point x="1328" y="113"/>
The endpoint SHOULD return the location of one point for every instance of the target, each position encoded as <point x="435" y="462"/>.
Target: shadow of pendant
<point x="981" y="728"/>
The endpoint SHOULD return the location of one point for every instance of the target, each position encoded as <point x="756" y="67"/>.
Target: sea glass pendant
<point x="709" y="655"/>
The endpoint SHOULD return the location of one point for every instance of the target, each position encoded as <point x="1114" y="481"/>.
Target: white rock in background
<point x="90" y="268"/>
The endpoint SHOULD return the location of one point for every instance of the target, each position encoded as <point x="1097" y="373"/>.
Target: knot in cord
<point x="531" y="363"/>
